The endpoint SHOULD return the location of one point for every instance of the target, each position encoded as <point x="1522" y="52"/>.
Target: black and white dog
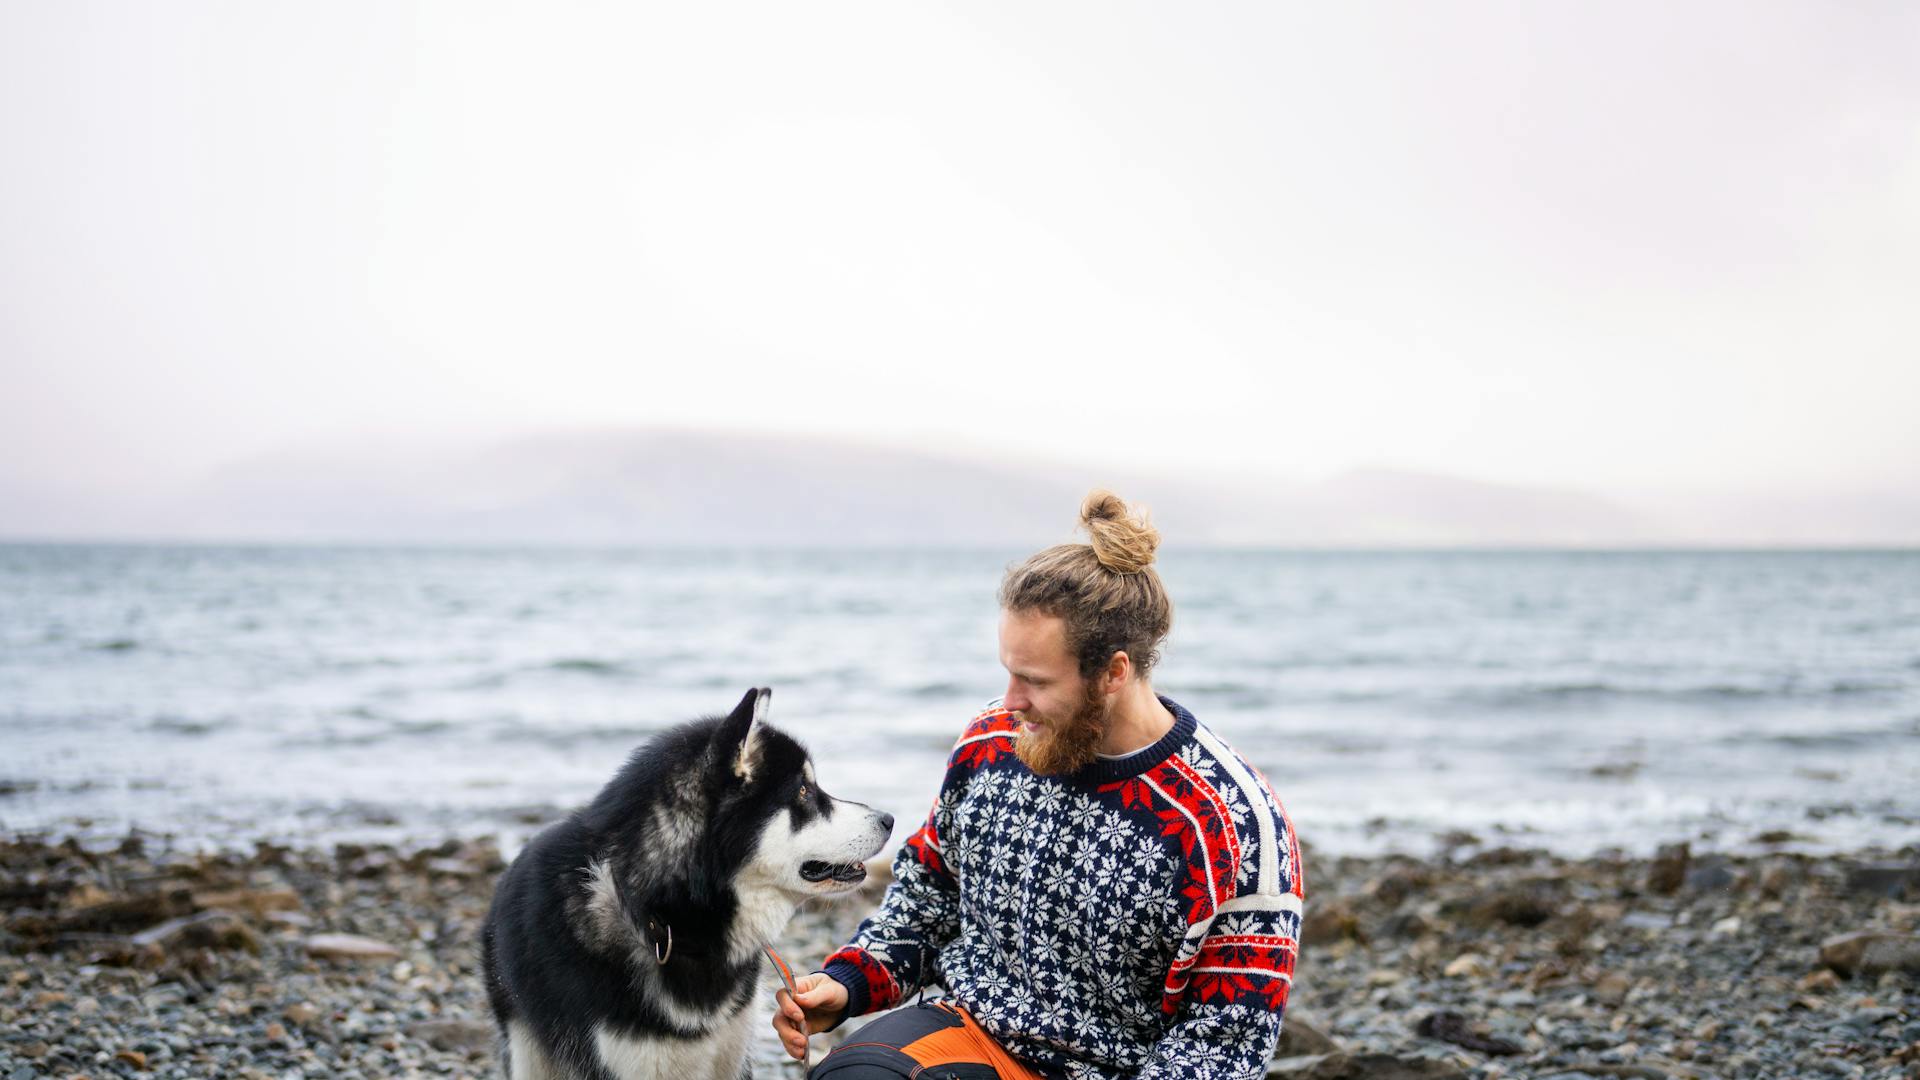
<point x="625" y="942"/>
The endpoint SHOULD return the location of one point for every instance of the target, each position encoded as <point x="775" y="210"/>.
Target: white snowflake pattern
<point x="1069" y="909"/>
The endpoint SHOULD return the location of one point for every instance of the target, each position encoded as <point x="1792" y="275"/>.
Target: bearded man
<point x="1104" y="886"/>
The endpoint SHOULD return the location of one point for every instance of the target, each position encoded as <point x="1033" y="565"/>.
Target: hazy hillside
<point x="677" y="487"/>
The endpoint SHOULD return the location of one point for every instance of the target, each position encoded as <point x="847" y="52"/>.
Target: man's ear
<point x="741" y="730"/>
<point x="1119" y="670"/>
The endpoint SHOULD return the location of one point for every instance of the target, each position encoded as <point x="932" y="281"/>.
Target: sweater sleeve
<point x="1228" y="1019"/>
<point x="1230" y="980"/>
<point x="892" y="954"/>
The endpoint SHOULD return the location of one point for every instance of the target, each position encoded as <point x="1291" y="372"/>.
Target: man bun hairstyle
<point x="1123" y="543"/>
<point x="1106" y="592"/>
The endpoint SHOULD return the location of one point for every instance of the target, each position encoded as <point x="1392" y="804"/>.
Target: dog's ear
<point x="740" y="731"/>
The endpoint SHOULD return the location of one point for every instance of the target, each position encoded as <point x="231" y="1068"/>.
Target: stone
<point x="1398" y="883"/>
<point x="1468" y="966"/>
<point x="1777" y="879"/>
<point x="1299" y="1038"/>
<point x="255" y="902"/>
<point x="1710" y="874"/>
<point x="1668" y="870"/>
<point x="1405" y="925"/>
<point x="349" y="947"/>
<point x="1819" y="980"/>
<point x="451" y="1034"/>
<point x="1646" y="920"/>
<point x="207" y="930"/>
<point x="1868" y="1019"/>
<point x="1612" y="988"/>
<point x="114" y="914"/>
<point x="302" y="1013"/>
<point x="1363" y="1067"/>
<point x="1328" y="922"/>
<point x="1891" y="880"/>
<point x="1527" y="903"/>
<point x="1455" y="1028"/>
<point x="1871" y="953"/>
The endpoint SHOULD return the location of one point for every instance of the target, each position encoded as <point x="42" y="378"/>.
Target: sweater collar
<point x="1107" y="770"/>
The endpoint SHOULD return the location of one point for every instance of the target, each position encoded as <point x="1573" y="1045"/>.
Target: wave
<point x="938" y="690"/>
<point x="631" y="734"/>
<point x="1707" y="693"/>
<point x="180" y="725"/>
<point x="365" y="663"/>
<point x="1832" y="739"/>
<point x="587" y="665"/>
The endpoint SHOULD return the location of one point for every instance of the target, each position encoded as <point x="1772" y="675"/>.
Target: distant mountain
<point x="661" y="487"/>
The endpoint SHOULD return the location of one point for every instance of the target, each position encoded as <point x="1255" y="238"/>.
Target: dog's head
<point x="719" y="828"/>
<point x="701" y="848"/>
<point x="803" y="841"/>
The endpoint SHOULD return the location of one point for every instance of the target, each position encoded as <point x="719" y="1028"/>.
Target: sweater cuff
<point x="858" y="999"/>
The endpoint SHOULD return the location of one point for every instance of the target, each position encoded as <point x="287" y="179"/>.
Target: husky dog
<point x="625" y="942"/>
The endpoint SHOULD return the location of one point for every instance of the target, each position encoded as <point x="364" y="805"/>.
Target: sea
<point x="1579" y="702"/>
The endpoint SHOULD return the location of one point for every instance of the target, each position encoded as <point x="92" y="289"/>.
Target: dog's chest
<point x="719" y="1056"/>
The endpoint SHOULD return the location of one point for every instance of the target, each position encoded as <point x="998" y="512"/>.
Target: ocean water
<point x="1574" y="701"/>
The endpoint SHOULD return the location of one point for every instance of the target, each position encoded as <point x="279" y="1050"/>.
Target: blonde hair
<point x="1106" y="591"/>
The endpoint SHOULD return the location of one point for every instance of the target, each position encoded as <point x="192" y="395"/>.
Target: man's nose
<point x="1012" y="699"/>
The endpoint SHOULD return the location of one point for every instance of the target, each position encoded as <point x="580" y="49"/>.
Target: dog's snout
<point x="886" y="824"/>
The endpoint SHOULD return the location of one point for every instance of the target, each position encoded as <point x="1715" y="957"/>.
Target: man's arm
<point x="1231" y="975"/>
<point x="1235" y="996"/>
<point x="892" y="954"/>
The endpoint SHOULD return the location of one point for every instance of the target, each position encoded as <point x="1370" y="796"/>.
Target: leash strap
<point x="793" y="989"/>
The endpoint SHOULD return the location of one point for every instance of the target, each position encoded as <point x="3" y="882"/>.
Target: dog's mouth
<point x="846" y="873"/>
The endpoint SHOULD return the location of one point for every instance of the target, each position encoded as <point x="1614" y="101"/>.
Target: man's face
<point x="1062" y="716"/>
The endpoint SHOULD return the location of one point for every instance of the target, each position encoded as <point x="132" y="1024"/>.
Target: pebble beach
<point x="137" y="959"/>
<point x="254" y="799"/>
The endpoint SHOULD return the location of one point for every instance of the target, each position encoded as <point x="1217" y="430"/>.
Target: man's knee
<point x="902" y="1044"/>
<point x="870" y="1062"/>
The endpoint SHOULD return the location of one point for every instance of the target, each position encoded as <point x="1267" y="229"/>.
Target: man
<point x="1103" y="885"/>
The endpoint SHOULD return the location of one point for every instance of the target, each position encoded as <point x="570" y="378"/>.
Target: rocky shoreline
<point x="141" y="960"/>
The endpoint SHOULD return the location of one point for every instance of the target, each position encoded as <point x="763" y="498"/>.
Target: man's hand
<point x="820" y="1002"/>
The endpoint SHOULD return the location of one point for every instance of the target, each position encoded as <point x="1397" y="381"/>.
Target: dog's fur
<point x="698" y="850"/>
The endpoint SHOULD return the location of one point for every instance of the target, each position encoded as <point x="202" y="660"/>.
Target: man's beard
<point x="1067" y="745"/>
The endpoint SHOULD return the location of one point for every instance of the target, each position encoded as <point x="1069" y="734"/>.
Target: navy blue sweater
<point x="1137" y="918"/>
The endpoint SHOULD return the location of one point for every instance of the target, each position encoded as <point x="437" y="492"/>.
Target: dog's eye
<point x="805" y="792"/>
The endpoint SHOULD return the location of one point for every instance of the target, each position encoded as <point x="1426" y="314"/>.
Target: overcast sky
<point x="1602" y="245"/>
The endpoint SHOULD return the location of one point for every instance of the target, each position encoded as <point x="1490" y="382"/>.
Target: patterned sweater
<point x="1137" y="918"/>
